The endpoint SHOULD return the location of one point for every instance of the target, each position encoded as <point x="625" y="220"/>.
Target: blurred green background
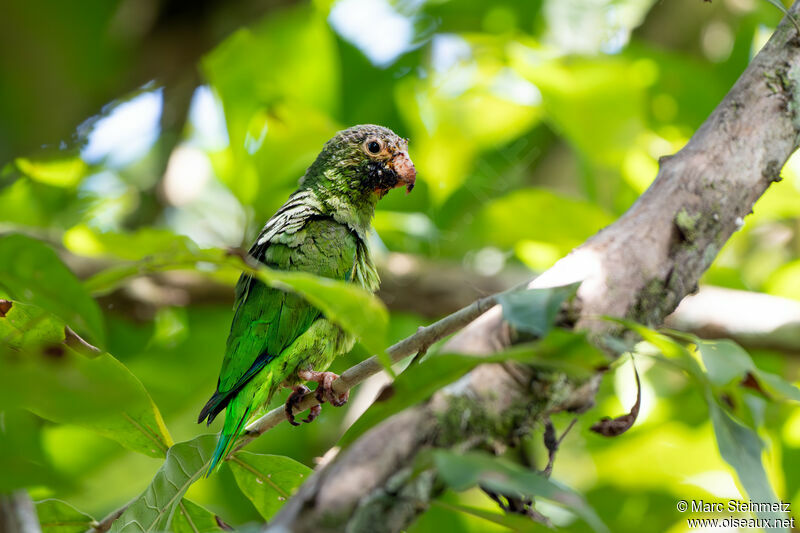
<point x="133" y="128"/>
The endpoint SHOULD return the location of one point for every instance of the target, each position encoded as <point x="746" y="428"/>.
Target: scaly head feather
<point x="356" y="168"/>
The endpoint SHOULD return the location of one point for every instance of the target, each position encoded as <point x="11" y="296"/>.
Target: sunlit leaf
<point x="60" y="173"/>
<point x="725" y="361"/>
<point x="463" y="471"/>
<point x="56" y="516"/>
<point x="267" y="480"/>
<point x="31" y="272"/>
<point x="462" y="106"/>
<point x="86" y="241"/>
<point x="277" y="113"/>
<point x="41" y="370"/>
<point x="155" y="508"/>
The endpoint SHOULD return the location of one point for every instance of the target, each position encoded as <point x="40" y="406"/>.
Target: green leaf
<point x="779" y="5"/>
<point x="41" y="372"/>
<point x="131" y="246"/>
<point x="267" y="480"/>
<point x="725" y="361"/>
<point x="31" y="272"/>
<point x="352" y="308"/>
<point x="561" y="349"/>
<point x="534" y="310"/>
<point x="742" y="448"/>
<point x="154" y="509"/>
<point x="463" y="471"/>
<point x="192" y="518"/>
<point x="777" y="385"/>
<point x="56" y="516"/>
<point x="57" y="172"/>
<point x="675" y="352"/>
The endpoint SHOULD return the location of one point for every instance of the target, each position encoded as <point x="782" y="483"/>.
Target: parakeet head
<point x="361" y="161"/>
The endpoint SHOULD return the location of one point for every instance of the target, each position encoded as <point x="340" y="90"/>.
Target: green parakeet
<point x="277" y="338"/>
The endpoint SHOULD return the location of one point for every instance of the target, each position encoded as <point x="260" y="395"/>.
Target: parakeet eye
<point x="374" y="146"/>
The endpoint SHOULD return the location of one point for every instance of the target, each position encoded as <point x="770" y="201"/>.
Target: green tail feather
<point x="245" y="402"/>
<point x="227" y="438"/>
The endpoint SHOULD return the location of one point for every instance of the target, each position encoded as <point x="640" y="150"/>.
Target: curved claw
<point x="313" y="413"/>
<point x="293" y="400"/>
<point x="324" y="391"/>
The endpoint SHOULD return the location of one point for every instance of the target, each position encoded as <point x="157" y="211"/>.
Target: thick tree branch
<point x="640" y="268"/>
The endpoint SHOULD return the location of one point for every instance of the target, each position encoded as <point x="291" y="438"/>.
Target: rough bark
<point x="640" y="267"/>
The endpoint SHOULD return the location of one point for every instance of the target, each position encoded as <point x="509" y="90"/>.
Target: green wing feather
<point x="267" y="320"/>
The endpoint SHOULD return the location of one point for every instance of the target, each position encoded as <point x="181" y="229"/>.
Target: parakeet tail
<point x="231" y="430"/>
<point x="251" y="397"/>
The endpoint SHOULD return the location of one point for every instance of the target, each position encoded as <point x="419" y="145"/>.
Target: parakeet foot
<point x="324" y="390"/>
<point x="291" y="402"/>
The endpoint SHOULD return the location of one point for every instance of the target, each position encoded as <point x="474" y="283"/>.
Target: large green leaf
<point x="351" y="307"/>
<point x="267" y="480"/>
<point x="154" y="509"/>
<point x="40" y="371"/>
<point x="561" y="349"/>
<point x="31" y="272"/>
<point x="56" y="516"/>
<point x="463" y="471"/>
<point x="192" y="518"/>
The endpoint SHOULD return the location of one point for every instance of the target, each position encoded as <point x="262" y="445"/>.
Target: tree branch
<point x="17" y="513"/>
<point x="640" y="268"/>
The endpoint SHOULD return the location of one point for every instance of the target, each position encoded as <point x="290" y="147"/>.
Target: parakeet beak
<point x="405" y="170"/>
